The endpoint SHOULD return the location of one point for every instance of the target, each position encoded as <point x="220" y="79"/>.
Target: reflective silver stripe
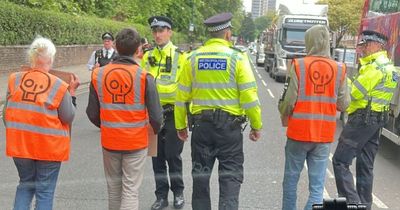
<point x="31" y="107"/>
<point x="164" y="82"/>
<point x="352" y="97"/>
<point x="36" y="129"/>
<point x="123" y="125"/>
<point x="193" y="64"/>
<point x="302" y="85"/>
<point x="245" y="86"/>
<point x="180" y="103"/>
<point x="232" y="67"/>
<point x="100" y="82"/>
<point x="214" y="85"/>
<point x="184" y="88"/>
<point x="215" y="54"/>
<point x="17" y="79"/>
<point x="251" y="104"/>
<point x="216" y="102"/>
<point x="137" y="92"/>
<point x="381" y="87"/>
<point x="166" y="95"/>
<point x="174" y="66"/>
<point x="308" y="116"/>
<point x="53" y="91"/>
<point x="360" y="87"/>
<point x="127" y="107"/>
<point x="380" y="101"/>
<point x="324" y="99"/>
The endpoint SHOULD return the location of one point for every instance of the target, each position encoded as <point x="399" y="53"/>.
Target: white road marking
<point x="259" y="75"/>
<point x="326" y="194"/>
<point x="270" y="93"/>
<point x="265" y="84"/>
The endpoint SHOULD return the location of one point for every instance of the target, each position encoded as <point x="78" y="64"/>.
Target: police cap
<point x="219" y="22"/>
<point x="372" y="36"/>
<point x="160" y="21"/>
<point x="107" y="35"/>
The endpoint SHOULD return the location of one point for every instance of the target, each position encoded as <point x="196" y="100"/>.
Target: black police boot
<point x="179" y="201"/>
<point x="159" y="204"/>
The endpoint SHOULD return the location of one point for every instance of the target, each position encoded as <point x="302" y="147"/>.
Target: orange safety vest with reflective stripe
<point x="121" y="92"/>
<point x="33" y="129"/>
<point x="314" y="114"/>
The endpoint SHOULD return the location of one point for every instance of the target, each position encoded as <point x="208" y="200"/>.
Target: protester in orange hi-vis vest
<point x="315" y="89"/>
<point x="123" y="100"/>
<point x="38" y="112"/>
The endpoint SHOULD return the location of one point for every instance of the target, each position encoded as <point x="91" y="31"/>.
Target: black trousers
<point x="357" y="140"/>
<point x="208" y="144"/>
<point x="169" y="151"/>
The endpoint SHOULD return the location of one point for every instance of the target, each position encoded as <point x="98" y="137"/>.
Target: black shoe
<point x="159" y="204"/>
<point x="179" y="201"/>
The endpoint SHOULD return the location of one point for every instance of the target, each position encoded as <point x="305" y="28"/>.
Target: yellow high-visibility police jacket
<point x="217" y="76"/>
<point x="377" y="81"/>
<point x="155" y="62"/>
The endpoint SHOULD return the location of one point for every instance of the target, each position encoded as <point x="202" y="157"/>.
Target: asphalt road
<point x="82" y="185"/>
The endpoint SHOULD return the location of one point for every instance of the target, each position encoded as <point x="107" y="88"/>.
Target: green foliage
<point x="20" y="25"/>
<point x="344" y="16"/>
<point x="263" y="22"/>
<point x="248" y="29"/>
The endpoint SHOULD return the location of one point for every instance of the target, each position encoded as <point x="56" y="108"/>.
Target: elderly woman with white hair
<point x="38" y="113"/>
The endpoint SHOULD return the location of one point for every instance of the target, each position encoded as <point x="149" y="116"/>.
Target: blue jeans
<point x="316" y="155"/>
<point x="36" y="178"/>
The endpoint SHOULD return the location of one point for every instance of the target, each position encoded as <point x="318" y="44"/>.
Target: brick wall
<point x="12" y="57"/>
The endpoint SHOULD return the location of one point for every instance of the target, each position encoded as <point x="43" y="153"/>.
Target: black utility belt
<point x="365" y="111"/>
<point x="168" y="108"/>
<point x="218" y="115"/>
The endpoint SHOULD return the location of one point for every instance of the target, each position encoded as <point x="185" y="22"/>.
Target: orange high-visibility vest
<point x="314" y="114"/>
<point x="33" y="129"/>
<point x="121" y="92"/>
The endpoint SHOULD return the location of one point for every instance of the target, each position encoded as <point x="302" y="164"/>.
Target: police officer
<point x="163" y="62"/>
<point x="102" y="56"/>
<point x="371" y="93"/>
<point x="218" y="81"/>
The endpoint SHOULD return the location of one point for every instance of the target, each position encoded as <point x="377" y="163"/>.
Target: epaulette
<point x="179" y="50"/>
<point x="237" y="49"/>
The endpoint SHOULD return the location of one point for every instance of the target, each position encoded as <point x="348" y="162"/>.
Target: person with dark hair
<point x="371" y="93"/>
<point x="218" y="82"/>
<point x="127" y="99"/>
<point x="102" y="56"/>
<point x="163" y="62"/>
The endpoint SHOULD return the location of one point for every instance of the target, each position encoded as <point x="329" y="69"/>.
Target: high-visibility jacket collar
<point x="373" y="57"/>
<point x="218" y="41"/>
<point x="165" y="47"/>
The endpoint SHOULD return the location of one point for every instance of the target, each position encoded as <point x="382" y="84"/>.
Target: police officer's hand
<point x="73" y="84"/>
<point x="254" y="135"/>
<point x="183" y="134"/>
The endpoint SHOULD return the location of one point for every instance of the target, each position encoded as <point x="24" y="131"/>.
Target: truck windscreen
<point x="293" y="37"/>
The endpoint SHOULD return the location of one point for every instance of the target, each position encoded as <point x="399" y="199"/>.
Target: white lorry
<point x="288" y="38"/>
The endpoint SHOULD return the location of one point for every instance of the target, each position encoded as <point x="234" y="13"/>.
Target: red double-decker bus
<point x="384" y="16"/>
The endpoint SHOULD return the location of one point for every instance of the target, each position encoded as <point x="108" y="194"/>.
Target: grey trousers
<point x="124" y="175"/>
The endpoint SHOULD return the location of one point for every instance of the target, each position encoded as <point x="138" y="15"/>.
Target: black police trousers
<point x="358" y="140"/>
<point x="209" y="143"/>
<point x="169" y="151"/>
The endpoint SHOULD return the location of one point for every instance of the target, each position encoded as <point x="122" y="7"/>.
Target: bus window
<point x="384" y="6"/>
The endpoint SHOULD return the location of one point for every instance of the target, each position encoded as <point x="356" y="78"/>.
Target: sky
<point x="247" y="3"/>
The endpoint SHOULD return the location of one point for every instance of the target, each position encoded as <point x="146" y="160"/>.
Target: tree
<point x="263" y="22"/>
<point x="248" y="29"/>
<point x="344" y="16"/>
